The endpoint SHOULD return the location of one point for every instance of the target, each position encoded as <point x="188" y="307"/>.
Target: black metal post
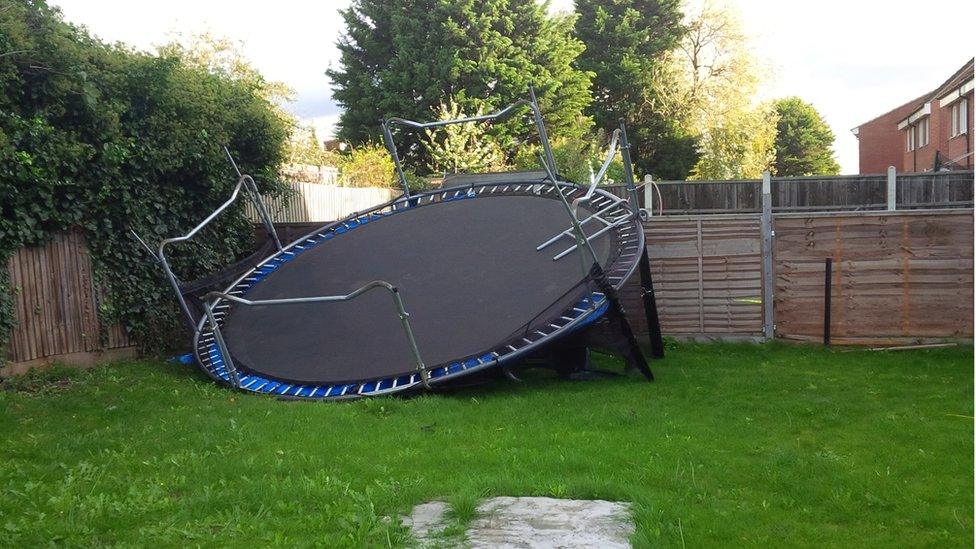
<point x="828" y="267"/>
<point x="650" y="307"/>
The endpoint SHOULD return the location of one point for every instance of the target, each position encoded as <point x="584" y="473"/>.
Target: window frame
<point x="959" y="113"/>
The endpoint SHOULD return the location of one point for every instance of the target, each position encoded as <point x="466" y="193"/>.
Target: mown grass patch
<point x="733" y="444"/>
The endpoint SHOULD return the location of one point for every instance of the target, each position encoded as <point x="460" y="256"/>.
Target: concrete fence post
<point x="892" y="193"/>
<point x="649" y="194"/>
<point x="768" y="282"/>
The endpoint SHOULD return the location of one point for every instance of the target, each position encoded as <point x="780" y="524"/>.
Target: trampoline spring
<point x="529" y="341"/>
<point x="512" y="347"/>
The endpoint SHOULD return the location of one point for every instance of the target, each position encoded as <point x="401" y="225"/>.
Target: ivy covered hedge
<point x="108" y="139"/>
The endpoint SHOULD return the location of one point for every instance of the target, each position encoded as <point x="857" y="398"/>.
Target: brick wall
<point x="940" y="127"/>
<point x="880" y="144"/>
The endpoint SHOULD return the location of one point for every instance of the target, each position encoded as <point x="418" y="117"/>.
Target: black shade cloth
<point x="468" y="273"/>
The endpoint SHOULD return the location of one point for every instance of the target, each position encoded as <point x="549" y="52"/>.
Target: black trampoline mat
<point x="467" y="270"/>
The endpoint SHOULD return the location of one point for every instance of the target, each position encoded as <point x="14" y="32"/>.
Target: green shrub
<point x="368" y="165"/>
<point x="107" y="139"/>
<point x="574" y="158"/>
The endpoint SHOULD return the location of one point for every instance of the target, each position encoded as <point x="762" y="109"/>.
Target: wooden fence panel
<point x="55" y="302"/>
<point x="707" y="274"/>
<point x="895" y="275"/>
<point x="833" y="193"/>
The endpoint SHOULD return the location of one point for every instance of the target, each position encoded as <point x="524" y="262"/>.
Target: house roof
<point x="957" y="78"/>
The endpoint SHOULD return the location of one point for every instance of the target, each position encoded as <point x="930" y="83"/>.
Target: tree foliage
<point x="627" y="41"/>
<point x="576" y="158"/>
<point x="804" y="141"/>
<point x="368" y="165"/>
<point x="304" y="148"/>
<point x="406" y="57"/>
<point x="739" y="145"/>
<point x="106" y="139"/>
<point x="461" y="148"/>
<point x="709" y="87"/>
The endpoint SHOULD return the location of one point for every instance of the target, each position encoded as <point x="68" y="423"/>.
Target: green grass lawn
<point x="733" y="444"/>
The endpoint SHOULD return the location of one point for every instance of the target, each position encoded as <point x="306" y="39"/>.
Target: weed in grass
<point x="42" y="382"/>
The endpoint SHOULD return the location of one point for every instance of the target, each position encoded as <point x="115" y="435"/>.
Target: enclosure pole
<point x="391" y="147"/>
<point x="892" y="190"/>
<point x="543" y="135"/>
<point x="628" y="167"/>
<point x="769" y="325"/>
<point x="828" y="267"/>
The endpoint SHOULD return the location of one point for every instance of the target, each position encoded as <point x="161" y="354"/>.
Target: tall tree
<point x="626" y="41"/>
<point x="804" y="141"/>
<point x="709" y="85"/>
<point x="407" y="57"/>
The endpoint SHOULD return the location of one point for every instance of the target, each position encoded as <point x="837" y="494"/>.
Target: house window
<point x="911" y="138"/>
<point x="959" y="118"/>
<point x="923" y="132"/>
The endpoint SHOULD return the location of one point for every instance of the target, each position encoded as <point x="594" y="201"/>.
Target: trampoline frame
<point x="588" y="309"/>
<point x="213" y="355"/>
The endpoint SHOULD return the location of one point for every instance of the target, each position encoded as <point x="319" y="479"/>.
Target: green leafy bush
<point x="368" y="165"/>
<point x="574" y="158"/>
<point x="107" y="139"/>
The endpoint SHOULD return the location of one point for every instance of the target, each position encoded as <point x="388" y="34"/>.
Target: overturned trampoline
<point x="429" y="289"/>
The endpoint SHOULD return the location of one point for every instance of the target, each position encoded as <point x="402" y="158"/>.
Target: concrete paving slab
<point x="534" y="522"/>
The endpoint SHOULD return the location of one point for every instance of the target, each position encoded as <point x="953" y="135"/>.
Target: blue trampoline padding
<point x="259" y="384"/>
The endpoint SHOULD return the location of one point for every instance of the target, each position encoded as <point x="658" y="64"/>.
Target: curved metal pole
<point x="438" y="123"/>
<point x="606" y="163"/>
<point x="252" y="188"/>
<point x="397" y="301"/>
<point x="161" y="251"/>
<point x="244" y="181"/>
<point x="391" y="148"/>
<point x="388" y="123"/>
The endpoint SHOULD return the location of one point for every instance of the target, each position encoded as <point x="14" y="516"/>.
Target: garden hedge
<point x="108" y="139"/>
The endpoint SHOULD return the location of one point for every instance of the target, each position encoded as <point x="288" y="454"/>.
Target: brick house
<point x="931" y="132"/>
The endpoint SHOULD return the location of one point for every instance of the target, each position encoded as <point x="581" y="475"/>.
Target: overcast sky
<point x="852" y="59"/>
